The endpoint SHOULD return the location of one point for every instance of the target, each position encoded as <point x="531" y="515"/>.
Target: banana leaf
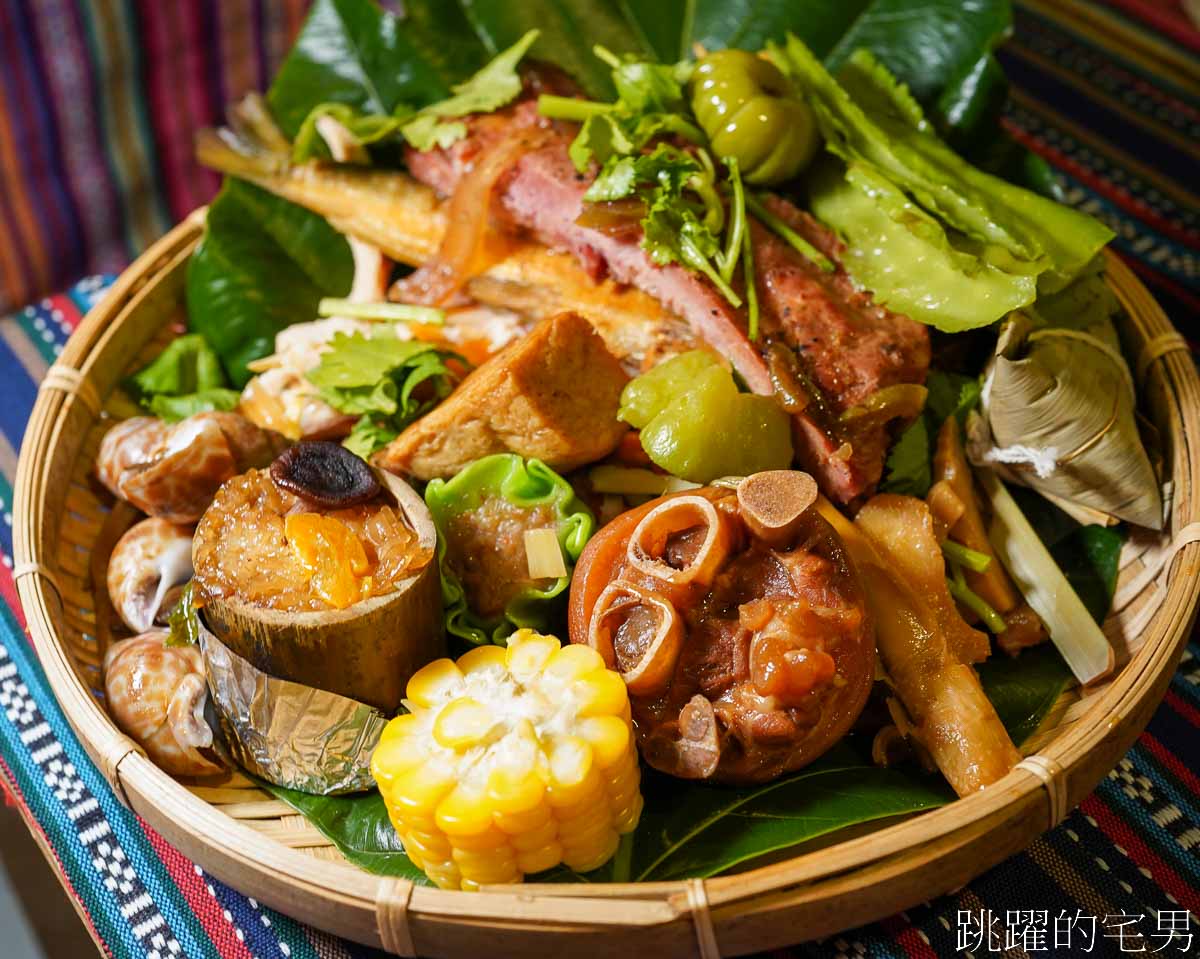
<point x="263" y="264"/>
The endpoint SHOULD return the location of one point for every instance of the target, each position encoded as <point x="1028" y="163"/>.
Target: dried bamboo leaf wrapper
<point x="1060" y="406"/>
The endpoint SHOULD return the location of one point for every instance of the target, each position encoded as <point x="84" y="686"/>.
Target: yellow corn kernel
<point x="475" y="883"/>
<point x="515" y="791"/>
<point x="519" y="823"/>
<point x="463" y="723"/>
<point x="417" y="792"/>
<point x="403" y="727"/>
<point x="571" y="662"/>
<point x="585" y="860"/>
<point x="626" y="818"/>
<point x="510" y="762"/>
<point x="480" y="658"/>
<point x="433" y="845"/>
<point x="446" y="877"/>
<point x="541" y="858"/>
<point x="620" y="802"/>
<point x="603" y="694"/>
<point x="527" y="654"/>
<point x="421" y="855"/>
<point x="536" y="837"/>
<point x="433" y="683"/>
<point x="588" y="791"/>
<point x="608" y="737"/>
<point x="570" y="762"/>
<point x="483" y="862"/>
<point x="411" y="821"/>
<point x="488" y="839"/>
<point x="464" y="812"/>
<point x="584" y="802"/>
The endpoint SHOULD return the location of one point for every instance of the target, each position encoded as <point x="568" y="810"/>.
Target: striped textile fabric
<point x="98" y="103"/>
<point x="94" y="163"/>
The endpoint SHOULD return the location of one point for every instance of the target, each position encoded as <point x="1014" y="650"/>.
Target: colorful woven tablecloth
<point x="1111" y="103"/>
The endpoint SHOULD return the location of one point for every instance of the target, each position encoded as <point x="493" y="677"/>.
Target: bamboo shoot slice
<point x="1079" y="639"/>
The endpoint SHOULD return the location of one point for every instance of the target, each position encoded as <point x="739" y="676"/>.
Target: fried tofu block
<point x="552" y="395"/>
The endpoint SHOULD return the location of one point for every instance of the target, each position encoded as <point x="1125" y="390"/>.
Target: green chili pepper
<point x="748" y="109"/>
<point x="697" y="426"/>
<point x="525" y="485"/>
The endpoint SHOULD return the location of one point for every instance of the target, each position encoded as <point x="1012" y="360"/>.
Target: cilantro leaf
<point x="651" y="87"/>
<point x="673" y="234"/>
<point x="386" y="381"/>
<point x="356" y="360"/>
<point x="600" y="138"/>
<point x="428" y="131"/>
<point x="907" y="470"/>
<point x="368" y="435"/>
<point x="495" y="85"/>
<point x="184" y="379"/>
<point x="950" y="394"/>
<point x="616" y="180"/>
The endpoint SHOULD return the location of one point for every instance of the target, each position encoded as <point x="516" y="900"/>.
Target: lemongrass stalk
<point x="393" y="312"/>
<point x="1072" y="629"/>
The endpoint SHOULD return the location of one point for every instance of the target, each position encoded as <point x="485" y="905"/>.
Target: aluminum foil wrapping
<point x="289" y="734"/>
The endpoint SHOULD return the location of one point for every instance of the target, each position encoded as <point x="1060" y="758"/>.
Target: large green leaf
<point x="262" y="265"/>
<point x="940" y="48"/>
<point x="689" y="831"/>
<point x="358" y="825"/>
<point x="353" y="52"/>
<point x="1024" y="688"/>
<point x="1089" y="556"/>
<point x="569" y="31"/>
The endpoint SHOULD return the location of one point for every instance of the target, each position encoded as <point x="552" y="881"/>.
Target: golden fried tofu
<point x="552" y="395"/>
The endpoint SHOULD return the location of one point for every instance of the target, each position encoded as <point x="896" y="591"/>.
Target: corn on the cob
<point x="509" y="762"/>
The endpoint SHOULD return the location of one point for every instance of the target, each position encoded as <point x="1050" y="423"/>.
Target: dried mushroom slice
<point x="325" y="474"/>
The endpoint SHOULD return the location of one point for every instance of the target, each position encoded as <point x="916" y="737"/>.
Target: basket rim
<point x="641" y="905"/>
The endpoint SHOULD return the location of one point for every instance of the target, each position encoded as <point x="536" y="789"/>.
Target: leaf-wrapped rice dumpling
<point x="1058" y="408"/>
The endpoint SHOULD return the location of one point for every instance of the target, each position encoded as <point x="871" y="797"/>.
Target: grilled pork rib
<point x="841" y="349"/>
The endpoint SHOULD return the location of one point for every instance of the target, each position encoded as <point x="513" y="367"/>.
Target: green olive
<point x="747" y="109"/>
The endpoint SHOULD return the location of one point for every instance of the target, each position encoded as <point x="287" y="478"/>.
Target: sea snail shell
<point x="156" y="694"/>
<point x="152" y="558"/>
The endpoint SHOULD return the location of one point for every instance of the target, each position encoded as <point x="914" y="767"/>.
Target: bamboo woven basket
<point x="261" y="847"/>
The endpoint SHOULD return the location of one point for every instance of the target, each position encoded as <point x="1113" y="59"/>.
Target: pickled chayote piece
<point x="696" y="425"/>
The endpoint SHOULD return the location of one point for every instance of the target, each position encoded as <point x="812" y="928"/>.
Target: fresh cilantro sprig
<point x="908" y="470"/>
<point x="386" y="381"/>
<point x="684" y="213"/>
<point x="437" y="125"/>
<point x="496" y="85"/>
<point x="694" y="214"/>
